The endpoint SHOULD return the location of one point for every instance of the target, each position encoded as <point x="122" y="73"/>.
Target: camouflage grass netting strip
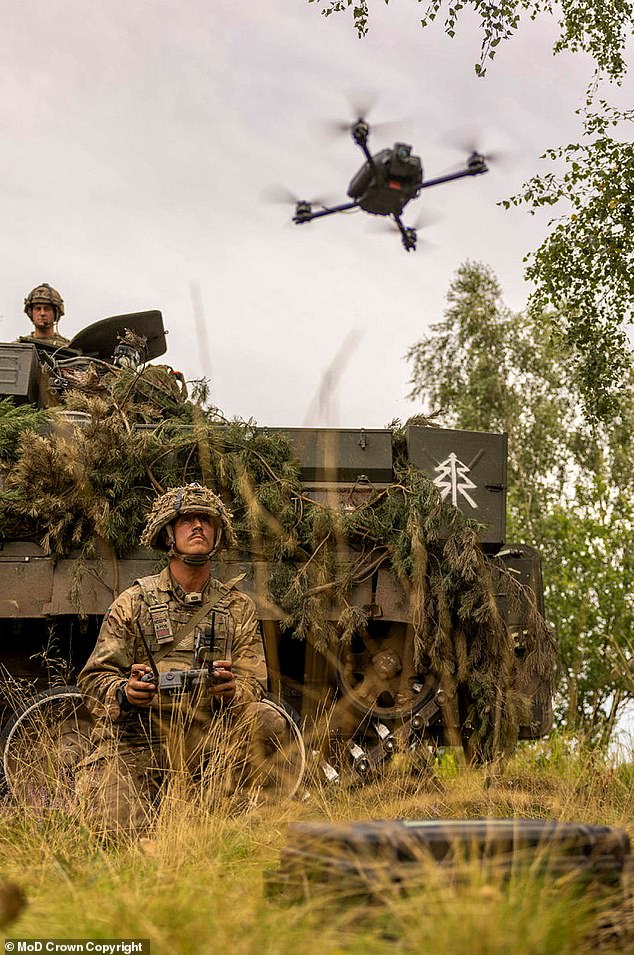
<point x="71" y="488"/>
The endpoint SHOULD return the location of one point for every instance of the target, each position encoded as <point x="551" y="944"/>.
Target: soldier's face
<point x="43" y="316"/>
<point x="194" y="534"/>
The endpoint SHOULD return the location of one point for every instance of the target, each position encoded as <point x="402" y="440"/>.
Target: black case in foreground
<point x="371" y="856"/>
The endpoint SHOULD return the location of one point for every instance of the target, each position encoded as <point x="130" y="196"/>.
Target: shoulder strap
<point x="149" y="589"/>
<point x="213" y="604"/>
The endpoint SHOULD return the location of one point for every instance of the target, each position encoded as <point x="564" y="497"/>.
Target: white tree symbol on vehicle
<point x="452" y="479"/>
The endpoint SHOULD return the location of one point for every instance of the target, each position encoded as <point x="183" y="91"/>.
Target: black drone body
<point x="386" y="182"/>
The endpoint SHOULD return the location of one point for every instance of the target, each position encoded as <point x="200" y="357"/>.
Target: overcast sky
<point x="139" y="135"/>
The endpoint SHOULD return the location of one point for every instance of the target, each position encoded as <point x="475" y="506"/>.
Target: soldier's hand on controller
<point x="224" y="685"/>
<point x="137" y="692"/>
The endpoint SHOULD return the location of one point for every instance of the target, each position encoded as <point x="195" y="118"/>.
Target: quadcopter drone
<point x="386" y="183"/>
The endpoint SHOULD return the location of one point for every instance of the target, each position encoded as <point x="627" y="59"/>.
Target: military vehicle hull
<point x="51" y="611"/>
<point x="369" y="688"/>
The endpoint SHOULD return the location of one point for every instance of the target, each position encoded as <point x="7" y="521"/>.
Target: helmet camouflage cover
<point x="190" y="499"/>
<point x="44" y="294"/>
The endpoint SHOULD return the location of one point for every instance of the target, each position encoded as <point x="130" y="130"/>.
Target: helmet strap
<point x="192" y="560"/>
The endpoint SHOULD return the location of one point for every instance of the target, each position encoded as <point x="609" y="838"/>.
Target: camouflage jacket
<point x="119" y="644"/>
<point x="56" y="339"/>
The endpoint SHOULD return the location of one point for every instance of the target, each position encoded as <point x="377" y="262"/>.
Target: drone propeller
<point x="469" y="142"/>
<point x="336" y="128"/>
<point x="426" y="217"/>
<point x="496" y="157"/>
<point x="361" y="108"/>
<point x="280" y="195"/>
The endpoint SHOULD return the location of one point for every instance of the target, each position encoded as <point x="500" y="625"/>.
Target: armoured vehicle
<point x="378" y="685"/>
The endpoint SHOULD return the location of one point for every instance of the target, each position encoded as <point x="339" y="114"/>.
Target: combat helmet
<point x="190" y="499"/>
<point x="44" y="294"/>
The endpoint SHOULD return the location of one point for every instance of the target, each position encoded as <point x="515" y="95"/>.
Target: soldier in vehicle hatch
<point x="184" y="631"/>
<point x="44" y="306"/>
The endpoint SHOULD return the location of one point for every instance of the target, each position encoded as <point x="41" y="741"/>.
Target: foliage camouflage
<point x="44" y="294"/>
<point x="80" y="488"/>
<point x="571" y="481"/>
<point x="179" y="501"/>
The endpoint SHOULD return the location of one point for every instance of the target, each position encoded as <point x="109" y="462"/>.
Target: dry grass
<point x="196" y="882"/>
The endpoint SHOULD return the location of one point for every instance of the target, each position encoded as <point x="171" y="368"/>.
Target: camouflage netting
<point x="85" y="487"/>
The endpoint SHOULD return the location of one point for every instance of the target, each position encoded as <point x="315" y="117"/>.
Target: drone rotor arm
<point x="304" y="213"/>
<point x="476" y="165"/>
<point x="360" y="132"/>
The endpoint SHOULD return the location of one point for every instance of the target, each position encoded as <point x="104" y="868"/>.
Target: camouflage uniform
<point x="121" y="779"/>
<point x="55" y="339"/>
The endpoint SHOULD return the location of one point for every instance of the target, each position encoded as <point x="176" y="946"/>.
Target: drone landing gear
<point x="408" y="235"/>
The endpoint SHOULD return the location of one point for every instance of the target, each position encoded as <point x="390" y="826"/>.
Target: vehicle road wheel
<point x="41" y="746"/>
<point x="283" y="768"/>
<point x="377" y="674"/>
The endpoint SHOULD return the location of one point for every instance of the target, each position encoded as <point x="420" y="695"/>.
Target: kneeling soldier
<point x="178" y="663"/>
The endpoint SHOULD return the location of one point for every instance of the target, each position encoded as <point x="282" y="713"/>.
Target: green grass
<point x="197" y="884"/>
